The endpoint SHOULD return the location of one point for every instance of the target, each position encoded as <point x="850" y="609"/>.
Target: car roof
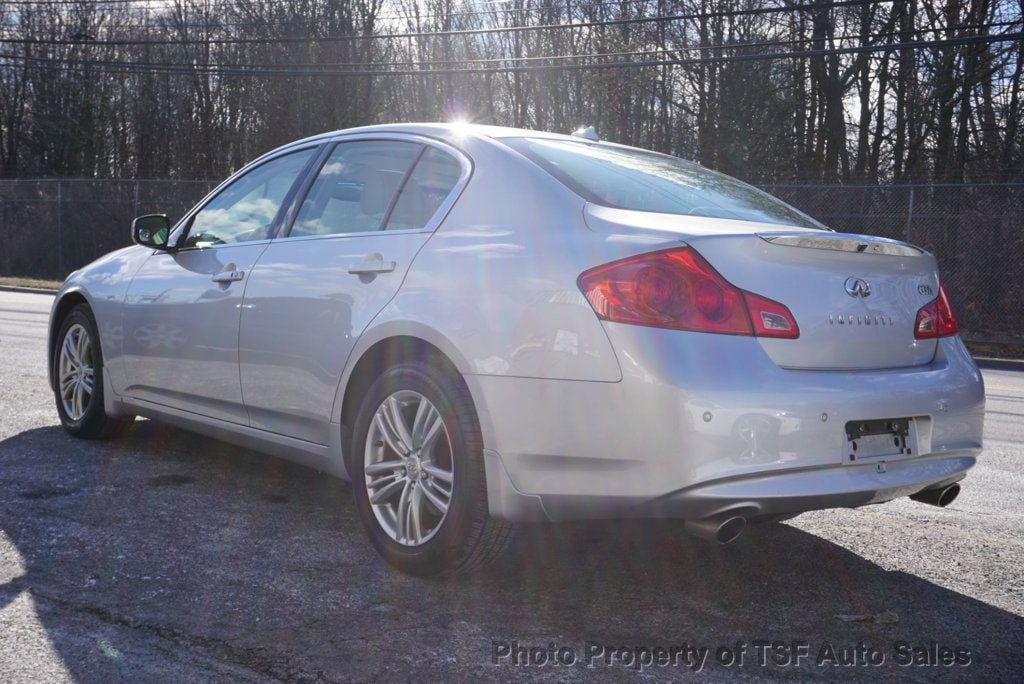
<point x="452" y="133"/>
<point x="444" y="131"/>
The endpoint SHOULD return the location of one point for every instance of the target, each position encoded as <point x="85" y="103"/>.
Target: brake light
<point x="935" y="319"/>
<point x="678" y="289"/>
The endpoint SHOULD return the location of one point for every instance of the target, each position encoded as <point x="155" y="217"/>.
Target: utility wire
<point x="130" y="5"/>
<point x="254" y="71"/>
<point x="435" y="34"/>
<point x="684" y="48"/>
<point x="401" y="13"/>
<point x="320" y="66"/>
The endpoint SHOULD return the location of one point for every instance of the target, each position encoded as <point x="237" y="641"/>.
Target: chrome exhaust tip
<point x="940" y="496"/>
<point x="721" y="529"/>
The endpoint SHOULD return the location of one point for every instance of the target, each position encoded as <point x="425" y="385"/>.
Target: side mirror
<point x="151" y="230"/>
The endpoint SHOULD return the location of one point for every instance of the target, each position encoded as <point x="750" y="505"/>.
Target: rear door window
<point x="355" y="189"/>
<point x="427" y="187"/>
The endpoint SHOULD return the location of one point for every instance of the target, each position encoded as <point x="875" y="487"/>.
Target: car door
<point x="361" y="221"/>
<point x="182" y="308"/>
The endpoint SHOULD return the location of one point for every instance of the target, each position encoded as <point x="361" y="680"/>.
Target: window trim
<point x="184" y="225"/>
<point x="401" y="188"/>
<point x="309" y="177"/>
<point x="429" y="227"/>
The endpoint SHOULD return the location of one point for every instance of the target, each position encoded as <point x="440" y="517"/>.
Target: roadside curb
<point x="27" y="290"/>
<point x="999" y="364"/>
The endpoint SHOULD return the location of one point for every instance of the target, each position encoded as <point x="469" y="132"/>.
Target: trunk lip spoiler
<point x="844" y="242"/>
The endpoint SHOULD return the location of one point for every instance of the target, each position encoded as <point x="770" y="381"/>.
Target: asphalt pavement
<point x="160" y="555"/>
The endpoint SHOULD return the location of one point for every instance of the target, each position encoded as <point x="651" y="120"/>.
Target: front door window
<point x="247" y="209"/>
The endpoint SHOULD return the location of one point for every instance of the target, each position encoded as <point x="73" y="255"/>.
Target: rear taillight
<point x="678" y="289"/>
<point x="770" y="318"/>
<point x="935" y="319"/>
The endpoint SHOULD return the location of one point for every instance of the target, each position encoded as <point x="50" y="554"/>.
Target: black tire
<point x="468" y="538"/>
<point x="94" y="422"/>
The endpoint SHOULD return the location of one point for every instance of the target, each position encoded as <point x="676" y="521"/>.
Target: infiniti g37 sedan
<point x="480" y="327"/>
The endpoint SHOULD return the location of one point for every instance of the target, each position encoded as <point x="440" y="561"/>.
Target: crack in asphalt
<point x="258" y="660"/>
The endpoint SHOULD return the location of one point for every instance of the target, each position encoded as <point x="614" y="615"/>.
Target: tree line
<point x="821" y="90"/>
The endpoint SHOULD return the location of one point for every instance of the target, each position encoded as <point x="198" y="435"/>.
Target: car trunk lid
<point x="855" y="298"/>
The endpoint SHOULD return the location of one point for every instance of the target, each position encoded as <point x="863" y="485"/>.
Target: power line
<point x="457" y="32"/>
<point x="406" y="13"/>
<point x="129" y="5"/>
<point x="283" y="24"/>
<point x="894" y="34"/>
<point x="250" y="71"/>
<point x="320" y="66"/>
<point x="400" y="15"/>
<point x="73" y="3"/>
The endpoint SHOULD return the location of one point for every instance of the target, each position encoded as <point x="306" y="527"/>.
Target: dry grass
<point x="997" y="351"/>
<point x="14" y="281"/>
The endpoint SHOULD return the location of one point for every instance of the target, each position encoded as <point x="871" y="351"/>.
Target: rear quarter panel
<point x="498" y="278"/>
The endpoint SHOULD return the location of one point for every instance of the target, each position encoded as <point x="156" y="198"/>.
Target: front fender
<point x="103" y="285"/>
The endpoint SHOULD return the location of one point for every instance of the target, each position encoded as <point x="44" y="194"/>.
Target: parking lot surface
<point x="161" y="555"/>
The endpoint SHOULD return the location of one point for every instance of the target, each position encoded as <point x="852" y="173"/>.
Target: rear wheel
<point x="78" y="377"/>
<point x="417" y="473"/>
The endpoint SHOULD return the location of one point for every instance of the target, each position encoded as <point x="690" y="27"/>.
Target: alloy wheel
<point x="408" y="468"/>
<point x="75" y="372"/>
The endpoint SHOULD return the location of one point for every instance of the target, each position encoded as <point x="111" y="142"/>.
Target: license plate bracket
<point x="885" y="438"/>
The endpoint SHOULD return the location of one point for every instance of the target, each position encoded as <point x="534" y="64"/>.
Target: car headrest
<point x="378" y="190"/>
<point x="346" y="191"/>
<point x="418" y="203"/>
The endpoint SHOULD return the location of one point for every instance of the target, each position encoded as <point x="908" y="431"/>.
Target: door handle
<point x="228" y="276"/>
<point x="370" y="266"/>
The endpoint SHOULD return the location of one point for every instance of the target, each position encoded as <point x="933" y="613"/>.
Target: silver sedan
<point x="481" y="327"/>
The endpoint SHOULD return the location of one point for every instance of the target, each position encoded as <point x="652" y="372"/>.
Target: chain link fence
<point x="51" y="227"/>
<point x="974" y="231"/>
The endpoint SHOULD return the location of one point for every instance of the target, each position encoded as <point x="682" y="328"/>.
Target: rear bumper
<point x="702" y="424"/>
<point x="836" y="487"/>
<point x="752" y="496"/>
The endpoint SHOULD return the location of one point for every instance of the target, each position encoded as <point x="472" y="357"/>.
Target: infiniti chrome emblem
<point x="857" y="287"/>
<point x="861" y="319"/>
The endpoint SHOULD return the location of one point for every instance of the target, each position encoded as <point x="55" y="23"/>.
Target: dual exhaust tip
<point x="727" y="527"/>
<point x="940" y="496"/>
<point x="722" y="529"/>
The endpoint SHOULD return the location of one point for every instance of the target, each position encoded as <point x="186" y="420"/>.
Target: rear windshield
<point x="626" y="178"/>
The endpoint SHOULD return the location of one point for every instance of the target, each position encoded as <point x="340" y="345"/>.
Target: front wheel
<point x="417" y="473"/>
<point x="78" y="377"/>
